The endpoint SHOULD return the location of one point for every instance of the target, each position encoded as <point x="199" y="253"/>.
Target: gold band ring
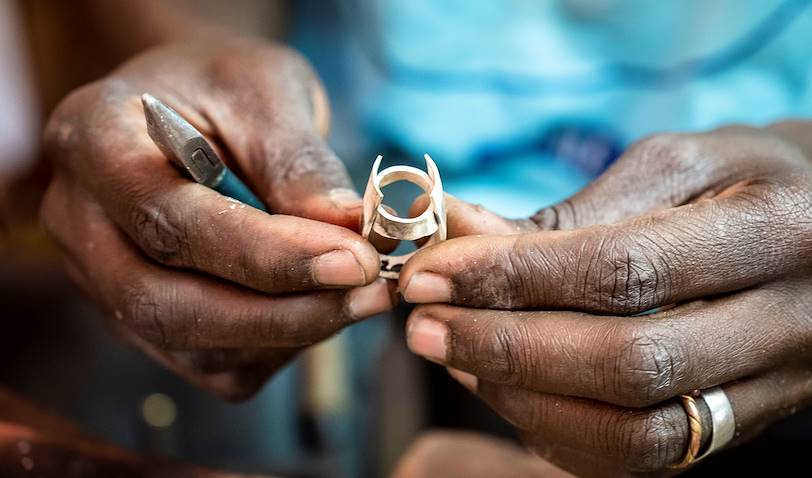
<point x="694" y="429"/>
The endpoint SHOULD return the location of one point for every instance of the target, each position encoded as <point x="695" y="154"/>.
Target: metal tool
<point x="185" y="146"/>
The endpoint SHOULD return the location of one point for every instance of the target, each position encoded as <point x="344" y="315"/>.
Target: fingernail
<point x="427" y="337"/>
<point x="427" y="287"/>
<point x="345" y="198"/>
<point x="466" y="379"/>
<point x="338" y="268"/>
<point x="370" y="300"/>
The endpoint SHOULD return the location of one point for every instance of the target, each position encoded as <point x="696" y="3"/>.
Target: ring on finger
<point x="723" y="424"/>
<point x="694" y="429"/>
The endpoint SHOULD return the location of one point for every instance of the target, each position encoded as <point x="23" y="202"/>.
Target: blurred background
<point x="350" y="406"/>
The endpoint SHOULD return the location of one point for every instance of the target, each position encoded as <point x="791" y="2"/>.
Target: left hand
<point x="718" y="223"/>
<point x="222" y="294"/>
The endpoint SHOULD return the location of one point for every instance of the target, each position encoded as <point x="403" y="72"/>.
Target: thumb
<point x="466" y="219"/>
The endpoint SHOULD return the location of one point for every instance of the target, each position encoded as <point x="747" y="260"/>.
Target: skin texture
<point x="713" y="230"/>
<point x="220" y="292"/>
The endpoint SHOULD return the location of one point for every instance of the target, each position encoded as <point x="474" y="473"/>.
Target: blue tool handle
<point x="230" y="185"/>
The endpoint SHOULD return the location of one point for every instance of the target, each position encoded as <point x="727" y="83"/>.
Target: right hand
<point x="222" y="293"/>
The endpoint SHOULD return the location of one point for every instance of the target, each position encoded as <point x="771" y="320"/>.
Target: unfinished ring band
<point x="430" y="223"/>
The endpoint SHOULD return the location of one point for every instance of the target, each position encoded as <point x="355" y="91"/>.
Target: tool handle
<point x="230" y="185"/>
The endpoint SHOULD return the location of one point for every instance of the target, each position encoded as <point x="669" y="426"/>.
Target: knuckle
<point x="286" y="328"/>
<point x="525" y="266"/>
<point x="295" y="326"/>
<point x="139" y="307"/>
<point x="622" y="276"/>
<point x="558" y="217"/>
<point x="304" y="156"/>
<point x="786" y="199"/>
<point x="643" y="366"/>
<point x="781" y="202"/>
<point x="547" y="219"/>
<point x="161" y="232"/>
<point x="505" y="351"/>
<point x="268" y="270"/>
<point x="63" y="129"/>
<point x="516" y="276"/>
<point x="75" y="122"/>
<point x="649" y="440"/>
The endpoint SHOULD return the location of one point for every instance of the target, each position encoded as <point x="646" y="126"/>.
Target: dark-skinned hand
<point x="710" y="233"/>
<point x="222" y="293"/>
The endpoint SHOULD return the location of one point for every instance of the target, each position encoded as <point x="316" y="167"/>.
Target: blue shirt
<point x="507" y="81"/>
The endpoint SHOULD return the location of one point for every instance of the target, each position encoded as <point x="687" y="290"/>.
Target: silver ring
<point x="430" y="223"/>
<point x="723" y="422"/>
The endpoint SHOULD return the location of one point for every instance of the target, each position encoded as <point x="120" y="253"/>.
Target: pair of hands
<point x="718" y="223"/>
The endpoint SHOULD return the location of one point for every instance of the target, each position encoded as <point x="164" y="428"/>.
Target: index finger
<point x="752" y="233"/>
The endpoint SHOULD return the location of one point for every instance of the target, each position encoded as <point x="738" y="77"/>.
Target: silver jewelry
<point x="430" y="223"/>
<point x="723" y="422"/>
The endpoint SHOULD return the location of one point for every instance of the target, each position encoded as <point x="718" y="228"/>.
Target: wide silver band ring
<point x="723" y="421"/>
<point x="430" y="223"/>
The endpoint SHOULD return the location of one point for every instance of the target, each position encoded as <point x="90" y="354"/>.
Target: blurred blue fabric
<point x="461" y="79"/>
